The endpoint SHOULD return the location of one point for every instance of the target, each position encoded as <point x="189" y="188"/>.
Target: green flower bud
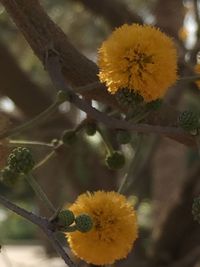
<point x="188" y="120"/>
<point x="115" y="161"/>
<point x="69" y="137"/>
<point x="66" y="218"/>
<point x="128" y="98"/>
<point x="21" y="160"/>
<point x="8" y="177"/>
<point x="154" y="105"/>
<point x="62" y="96"/>
<point x="83" y="223"/>
<point x="123" y="137"/>
<point x="196" y="209"/>
<point x="91" y="128"/>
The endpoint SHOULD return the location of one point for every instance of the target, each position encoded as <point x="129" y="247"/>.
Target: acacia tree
<point x="77" y="78"/>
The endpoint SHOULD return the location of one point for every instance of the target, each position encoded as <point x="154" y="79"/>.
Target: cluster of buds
<point x="130" y="99"/>
<point x="189" y="121"/>
<point x="68" y="222"/>
<point x="20" y="161"/>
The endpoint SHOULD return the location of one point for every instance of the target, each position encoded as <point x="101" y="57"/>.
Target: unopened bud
<point x="66" y="218"/>
<point x="189" y="120"/>
<point x="91" y="128"/>
<point x="128" y="98"/>
<point x="115" y="161"/>
<point x="83" y="223"/>
<point x="21" y="160"/>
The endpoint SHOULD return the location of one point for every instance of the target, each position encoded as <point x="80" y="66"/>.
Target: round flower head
<point x="114" y="228"/>
<point x="140" y="58"/>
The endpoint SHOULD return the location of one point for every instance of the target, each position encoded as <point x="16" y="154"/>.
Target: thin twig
<point x="31" y="123"/>
<point x="106" y="141"/>
<point x="45" y="160"/>
<point x="133" y="164"/>
<point x="39" y="192"/>
<point x="29" y="143"/>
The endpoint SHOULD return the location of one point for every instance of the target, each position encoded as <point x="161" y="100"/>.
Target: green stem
<point x="106" y="142"/>
<point x="44" y="160"/>
<point x="56" y="213"/>
<point x="133" y="164"/>
<point x="31" y="143"/>
<point x="39" y="192"/>
<point x="144" y="151"/>
<point x="33" y="122"/>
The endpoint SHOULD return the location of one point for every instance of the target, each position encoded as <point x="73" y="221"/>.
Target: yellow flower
<point x="197" y="71"/>
<point x="140" y="58"/>
<point x="114" y="230"/>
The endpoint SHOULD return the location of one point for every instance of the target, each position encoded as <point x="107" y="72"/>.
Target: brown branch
<point x="23" y="213"/>
<point x="42" y="223"/>
<point x="114" y="12"/>
<point x="54" y="70"/>
<point x="40" y="32"/>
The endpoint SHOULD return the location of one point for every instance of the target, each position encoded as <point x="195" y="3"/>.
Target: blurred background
<point x="165" y="178"/>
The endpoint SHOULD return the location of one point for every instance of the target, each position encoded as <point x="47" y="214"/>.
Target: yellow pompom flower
<point x="114" y="228"/>
<point x="140" y="58"/>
